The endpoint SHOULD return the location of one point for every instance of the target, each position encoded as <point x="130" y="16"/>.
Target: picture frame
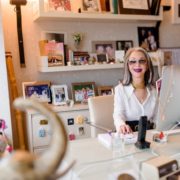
<point x="134" y="7"/>
<point x="55" y="53"/>
<point x="148" y="38"/>
<point x="81" y="91"/>
<point x="119" y="56"/>
<point x="105" y="90"/>
<point x="92" y="6"/>
<point x="105" y="47"/>
<point x="59" y="94"/>
<point x="176" y="12"/>
<point x="59" y="5"/>
<point x="57" y="36"/>
<point x="80" y="57"/>
<point x="102" y="58"/>
<point x="38" y="90"/>
<point x="124" y="45"/>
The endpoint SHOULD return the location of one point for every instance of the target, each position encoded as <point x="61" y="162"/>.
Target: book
<point x="115" y="6"/>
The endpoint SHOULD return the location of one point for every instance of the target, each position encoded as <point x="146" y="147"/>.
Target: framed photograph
<point x="80" y="57"/>
<point x="124" y="45"/>
<point x="90" y="6"/>
<point x="134" y="7"/>
<point x="59" y="5"/>
<point x="102" y="58"/>
<point x="55" y="53"/>
<point x="105" y="90"/>
<point x="105" y="47"/>
<point x="155" y="6"/>
<point x="59" y="94"/>
<point x="81" y="91"/>
<point x="175" y="11"/>
<point x="37" y="90"/>
<point x="148" y="38"/>
<point x="119" y="56"/>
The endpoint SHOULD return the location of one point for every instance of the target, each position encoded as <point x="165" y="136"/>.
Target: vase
<point x="77" y="44"/>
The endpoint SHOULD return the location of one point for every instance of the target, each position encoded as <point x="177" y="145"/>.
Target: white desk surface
<point x="95" y="161"/>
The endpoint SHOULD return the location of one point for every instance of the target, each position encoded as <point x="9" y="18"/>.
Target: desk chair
<point x="101" y="113"/>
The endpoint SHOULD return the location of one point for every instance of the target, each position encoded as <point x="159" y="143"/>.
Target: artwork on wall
<point x="176" y="12"/>
<point x="134" y="7"/>
<point x="148" y="38"/>
<point x="81" y="91"/>
<point x="37" y="90"/>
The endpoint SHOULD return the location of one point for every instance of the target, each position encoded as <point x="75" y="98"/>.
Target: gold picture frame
<point x="81" y="91"/>
<point x="38" y="90"/>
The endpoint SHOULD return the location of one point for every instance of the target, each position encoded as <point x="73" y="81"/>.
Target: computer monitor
<point x="169" y="99"/>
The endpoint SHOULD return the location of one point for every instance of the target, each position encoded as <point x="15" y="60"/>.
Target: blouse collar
<point x="129" y="90"/>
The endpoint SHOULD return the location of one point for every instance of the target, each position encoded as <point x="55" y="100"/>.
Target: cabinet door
<point x="41" y="131"/>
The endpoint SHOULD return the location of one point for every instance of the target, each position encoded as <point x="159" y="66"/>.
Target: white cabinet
<point x="39" y="128"/>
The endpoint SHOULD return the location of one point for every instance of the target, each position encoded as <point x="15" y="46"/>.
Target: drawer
<point x="41" y="133"/>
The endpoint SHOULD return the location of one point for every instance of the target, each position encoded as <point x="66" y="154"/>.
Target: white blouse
<point x="128" y="108"/>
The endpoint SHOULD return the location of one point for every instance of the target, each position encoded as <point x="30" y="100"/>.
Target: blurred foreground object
<point x="21" y="165"/>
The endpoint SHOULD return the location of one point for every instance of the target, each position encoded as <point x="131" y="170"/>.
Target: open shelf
<point x="80" y="67"/>
<point x="41" y="14"/>
<point x="95" y="17"/>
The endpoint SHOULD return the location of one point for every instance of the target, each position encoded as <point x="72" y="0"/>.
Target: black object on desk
<point x="142" y="126"/>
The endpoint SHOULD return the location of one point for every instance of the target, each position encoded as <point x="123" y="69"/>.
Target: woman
<point x="136" y="95"/>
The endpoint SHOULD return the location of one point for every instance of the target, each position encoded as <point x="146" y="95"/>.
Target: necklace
<point x="138" y="86"/>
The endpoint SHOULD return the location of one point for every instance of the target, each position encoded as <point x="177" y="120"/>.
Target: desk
<point x="95" y="161"/>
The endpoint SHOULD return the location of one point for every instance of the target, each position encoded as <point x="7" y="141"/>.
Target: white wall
<point x="4" y="92"/>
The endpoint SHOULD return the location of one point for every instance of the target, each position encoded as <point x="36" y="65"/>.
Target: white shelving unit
<point x="41" y="14"/>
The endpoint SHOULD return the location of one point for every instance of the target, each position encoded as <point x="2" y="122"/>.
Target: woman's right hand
<point x="125" y="129"/>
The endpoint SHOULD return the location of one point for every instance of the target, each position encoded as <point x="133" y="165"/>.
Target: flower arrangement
<point x="77" y="37"/>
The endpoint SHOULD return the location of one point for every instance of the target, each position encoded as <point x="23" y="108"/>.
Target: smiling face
<point x="137" y="65"/>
